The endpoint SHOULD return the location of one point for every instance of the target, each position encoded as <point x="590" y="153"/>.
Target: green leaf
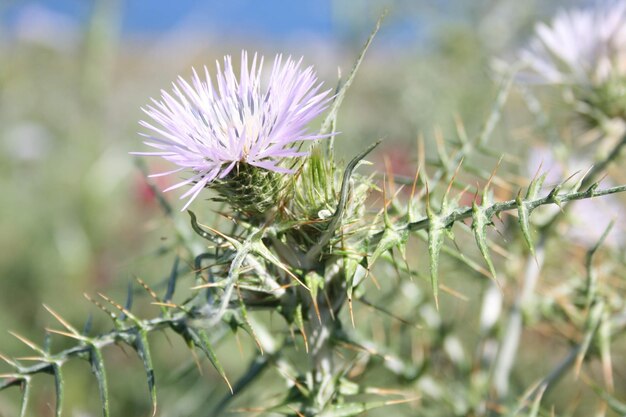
<point x="200" y="338"/>
<point x="171" y="282"/>
<point x="534" y="187"/>
<point x="25" y="397"/>
<point x="97" y="367"/>
<point x="436" y="234"/>
<point x="327" y="235"/>
<point x="592" y="324"/>
<point x="480" y="221"/>
<point x="200" y="232"/>
<point x="299" y="320"/>
<point x="143" y="350"/>
<point x="356" y="408"/>
<point x="247" y="325"/>
<point x="390" y="239"/>
<point x="523" y="218"/>
<point x="58" y="384"/>
<point x="341" y="91"/>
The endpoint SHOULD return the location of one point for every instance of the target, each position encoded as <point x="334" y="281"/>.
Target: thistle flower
<point x="583" y="46"/>
<point x="242" y="126"/>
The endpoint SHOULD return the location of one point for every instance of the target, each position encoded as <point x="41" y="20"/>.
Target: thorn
<point x="148" y="289"/>
<point x="453" y="292"/>
<point x="374" y="280"/>
<point x="112" y="315"/>
<point x="351" y="312"/>
<point x="306" y="340"/>
<point x="316" y="308"/>
<point x="196" y="360"/>
<point x="61" y="320"/>
<point x="403" y="401"/>
<point x="247" y="321"/>
<point x="491" y="177"/>
<point x="329" y="304"/>
<point x="417" y="174"/>
<point x="27" y="342"/>
<point x="66" y="334"/>
<point x="119" y="307"/>
<point x="390" y="176"/>
<point x="456" y="172"/>
<point x="162" y="304"/>
<point x="9" y="361"/>
<point x="460" y="129"/>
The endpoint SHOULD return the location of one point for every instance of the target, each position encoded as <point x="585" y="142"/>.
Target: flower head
<point x="581" y="46"/>
<point x="213" y="130"/>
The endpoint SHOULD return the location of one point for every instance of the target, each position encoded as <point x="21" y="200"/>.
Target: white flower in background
<point x="585" y="47"/>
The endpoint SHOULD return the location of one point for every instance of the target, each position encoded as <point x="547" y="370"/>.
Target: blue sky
<point x="268" y="19"/>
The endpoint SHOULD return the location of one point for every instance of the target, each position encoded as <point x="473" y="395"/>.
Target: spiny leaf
<point x="315" y="282"/>
<point x="436" y="234"/>
<point x="58" y="383"/>
<point x="423" y="235"/>
<point x="97" y="367"/>
<point x="260" y="249"/>
<point x="143" y="350"/>
<point x="523" y="209"/>
<point x="88" y="325"/>
<point x="327" y="235"/>
<point x="247" y="325"/>
<point x="479" y="227"/>
<point x="523" y="219"/>
<point x="202" y="233"/>
<point x="129" y="300"/>
<point x="355" y="273"/>
<point x="355" y="409"/>
<point x="25" y="396"/>
<point x="389" y="240"/>
<point x="592" y="280"/>
<point x="591" y="326"/>
<point x="535" y="186"/>
<point x="341" y="92"/>
<point x="171" y="282"/>
<point x="201" y="340"/>
<point x="299" y="319"/>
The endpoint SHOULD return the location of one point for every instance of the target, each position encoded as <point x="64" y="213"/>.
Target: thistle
<point x="237" y="137"/>
<point x="313" y="267"/>
<point x="585" y="50"/>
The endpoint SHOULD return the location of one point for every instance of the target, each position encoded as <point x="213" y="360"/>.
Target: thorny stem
<point x="466" y="212"/>
<point x="322" y="332"/>
<point x="512" y="334"/>
<point x="104" y="340"/>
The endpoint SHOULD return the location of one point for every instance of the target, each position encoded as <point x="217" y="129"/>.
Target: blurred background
<point x="76" y="214"/>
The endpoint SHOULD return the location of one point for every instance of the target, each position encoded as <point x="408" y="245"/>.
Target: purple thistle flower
<point x="209" y="130"/>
